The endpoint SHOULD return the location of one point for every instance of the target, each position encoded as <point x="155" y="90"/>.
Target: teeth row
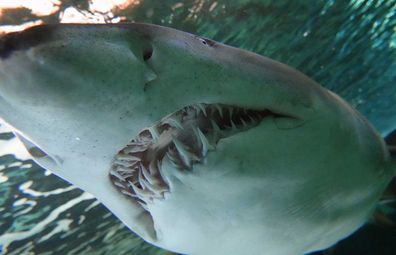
<point x="183" y="156"/>
<point x="234" y="114"/>
<point x="221" y="110"/>
<point x="139" y="176"/>
<point x="128" y="166"/>
<point x="146" y="187"/>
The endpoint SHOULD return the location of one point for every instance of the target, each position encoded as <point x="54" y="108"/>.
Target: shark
<point x="196" y="146"/>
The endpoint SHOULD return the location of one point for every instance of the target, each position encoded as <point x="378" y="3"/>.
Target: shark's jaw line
<point x="184" y="137"/>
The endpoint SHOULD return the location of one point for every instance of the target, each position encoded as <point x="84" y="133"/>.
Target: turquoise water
<point x="347" y="46"/>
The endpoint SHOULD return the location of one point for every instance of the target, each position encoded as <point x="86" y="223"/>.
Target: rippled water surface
<point x="347" y="46"/>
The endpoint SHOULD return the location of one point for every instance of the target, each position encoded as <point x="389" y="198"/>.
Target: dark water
<point x="347" y="46"/>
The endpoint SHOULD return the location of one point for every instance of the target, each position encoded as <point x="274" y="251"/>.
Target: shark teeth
<point x="173" y="122"/>
<point x="128" y="157"/>
<point x="202" y="108"/>
<point x="148" y="176"/>
<point x="185" y="137"/>
<point x="115" y="173"/>
<point x="134" y="148"/>
<point x="142" y="193"/>
<point x="186" y="156"/>
<point x="153" y="167"/>
<point x="124" y="163"/>
<point x="243" y="122"/>
<point x="219" y="110"/>
<point x="230" y="112"/>
<point x="154" y="189"/>
<point x="215" y="127"/>
<point x="128" y="193"/>
<point x="206" y="146"/>
<point x="233" y="126"/>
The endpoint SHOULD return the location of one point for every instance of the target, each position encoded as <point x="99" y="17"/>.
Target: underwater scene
<point x="348" y="46"/>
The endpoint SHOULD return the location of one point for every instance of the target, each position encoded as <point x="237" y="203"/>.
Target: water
<point x="347" y="46"/>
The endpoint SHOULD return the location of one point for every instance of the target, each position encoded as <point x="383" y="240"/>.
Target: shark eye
<point x="207" y="42"/>
<point x="203" y="41"/>
<point x="147" y="53"/>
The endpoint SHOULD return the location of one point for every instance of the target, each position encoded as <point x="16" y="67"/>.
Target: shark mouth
<point x="185" y="137"/>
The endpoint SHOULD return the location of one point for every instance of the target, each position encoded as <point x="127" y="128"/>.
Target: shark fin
<point x="39" y="156"/>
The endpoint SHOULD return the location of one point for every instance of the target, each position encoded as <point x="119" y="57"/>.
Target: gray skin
<point x="290" y="185"/>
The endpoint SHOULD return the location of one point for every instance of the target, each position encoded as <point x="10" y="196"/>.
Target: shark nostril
<point x="207" y="42"/>
<point x="147" y="53"/>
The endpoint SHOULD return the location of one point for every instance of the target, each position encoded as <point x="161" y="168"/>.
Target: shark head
<point x="197" y="147"/>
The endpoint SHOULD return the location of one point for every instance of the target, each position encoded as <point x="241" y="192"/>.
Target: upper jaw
<point x="233" y="76"/>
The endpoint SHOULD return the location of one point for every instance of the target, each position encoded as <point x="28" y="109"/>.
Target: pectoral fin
<point x="39" y="156"/>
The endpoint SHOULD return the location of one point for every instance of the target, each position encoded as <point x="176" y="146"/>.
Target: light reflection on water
<point x="348" y="46"/>
<point x="95" y="11"/>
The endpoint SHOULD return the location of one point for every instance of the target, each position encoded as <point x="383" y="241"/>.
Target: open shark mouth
<point x="185" y="137"/>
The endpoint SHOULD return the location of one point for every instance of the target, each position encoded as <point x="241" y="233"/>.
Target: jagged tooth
<point x="123" y="163"/>
<point x="122" y="169"/>
<point x="125" y="172"/>
<point x="243" y="122"/>
<point x="175" y="164"/>
<point x="154" y="132"/>
<point x="173" y="160"/>
<point x="252" y="120"/>
<point x="122" y="156"/>
<point x="205" y="143"/>
<point x="140" y="179"/>
<point x="203" y="109"/>
<point x="159" y="162"/>
<point x="114" y="173"/>
<point x="156" y="190"/>
<point x="215" y="126"/>
<point x="142" y="194"/>
<point x="231" y="111"/>
<point x="134" y="148"/>
<point x="153" y="167"/>
<point x="118" y="184"/>
<point x="125" y="192"/>
<point x="185" y="155"/>
<point x="143" y="205"/>
<point x="196" y="108"/>
<point x="173" y="122"/>
<point x="127" y="175"/>
<point x="147" y="175"/>
<point x="147" y="186"/>
<point x="219" y="109"/>
<point x="165" y="178"/>
<point x="233" y="126"/>
<point x="170" y="156"/>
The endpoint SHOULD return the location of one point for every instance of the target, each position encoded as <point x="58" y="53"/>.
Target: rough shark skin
<point x="302" y="172"/>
